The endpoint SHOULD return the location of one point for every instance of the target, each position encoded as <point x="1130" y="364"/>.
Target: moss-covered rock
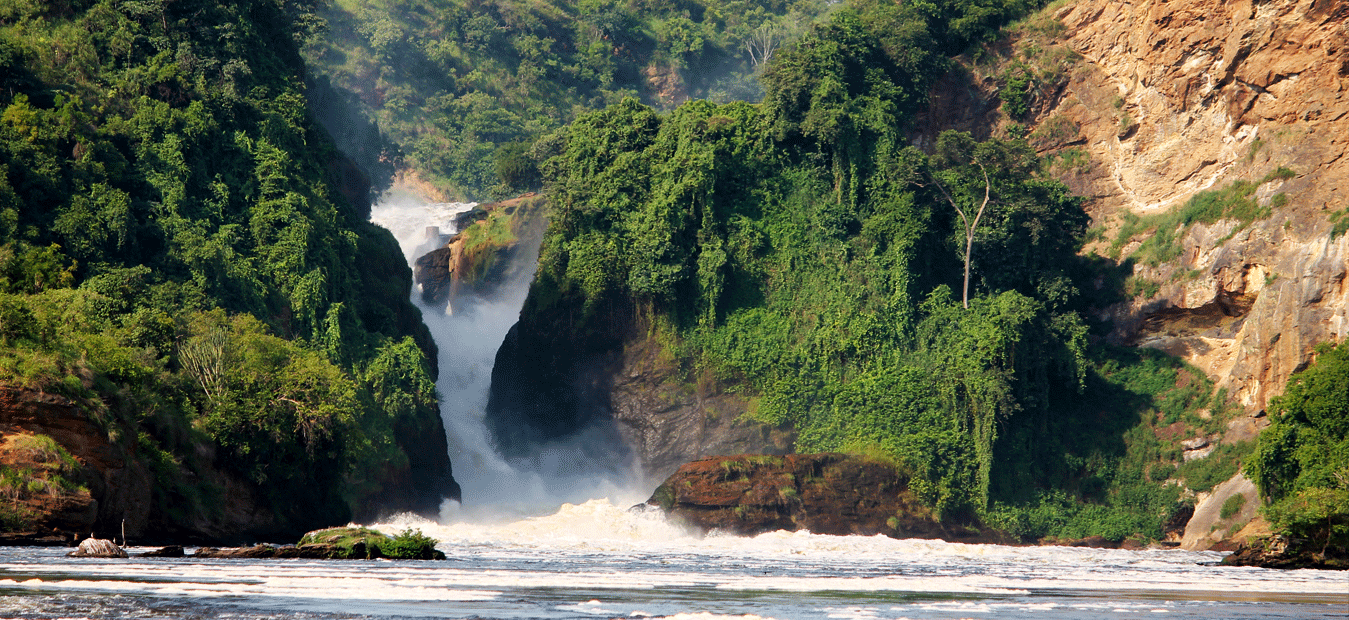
<point x="355" y="543"/>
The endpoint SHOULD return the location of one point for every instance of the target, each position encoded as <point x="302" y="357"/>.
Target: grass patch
<point x="1139" y="286"/>
<point x="1072" y="159"/>
<point x="1202" y="475"/>
<point x="1232" y="506"/>
<point x="1236" y="201"/>
<point x="1340" y="219"/>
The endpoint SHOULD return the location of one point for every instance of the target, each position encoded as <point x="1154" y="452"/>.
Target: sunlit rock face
<point x="1163" y="100"/>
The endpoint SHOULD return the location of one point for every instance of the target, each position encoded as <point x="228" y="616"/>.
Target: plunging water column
<point x="468" y="330"/>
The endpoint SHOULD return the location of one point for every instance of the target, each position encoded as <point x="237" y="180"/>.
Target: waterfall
<point x="468" y="335"/>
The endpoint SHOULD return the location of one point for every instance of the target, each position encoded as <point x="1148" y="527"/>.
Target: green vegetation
<point x="1234" y="202"/>
<point x="1301" y="463"/>
<point x="457" y="90"/>
<point x="364" y="543"/>
<point x="804" y="256"/>
<point x="1340" y="219"/>
<point x="1139" y="286"/>
<point x="411" y="545"/>
<point x="178" y="256"/>
<point x="452" y="88"/>
<point x="1232" y="506"/>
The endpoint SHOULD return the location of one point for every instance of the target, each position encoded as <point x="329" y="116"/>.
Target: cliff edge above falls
<point x="497" y="244"/>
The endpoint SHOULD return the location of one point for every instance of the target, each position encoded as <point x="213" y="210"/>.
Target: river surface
<point x="601" y="560"/>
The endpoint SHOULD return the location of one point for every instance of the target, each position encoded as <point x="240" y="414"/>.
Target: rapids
<point x="601" y="560"/>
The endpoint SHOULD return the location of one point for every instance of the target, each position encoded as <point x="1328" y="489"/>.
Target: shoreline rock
<point x="1285" y="552"/>
<point x="826" y="493"/>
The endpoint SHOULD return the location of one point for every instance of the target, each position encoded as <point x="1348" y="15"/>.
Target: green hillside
<point x="183" y="251"/>
<point x="802" y="254"/>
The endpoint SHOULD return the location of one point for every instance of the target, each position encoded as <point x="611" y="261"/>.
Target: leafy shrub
<point x="1220" y="465"/>
<point x="411" y="545"/>
<point x="1015" y="95"/>
<point x="1301" y="462"/>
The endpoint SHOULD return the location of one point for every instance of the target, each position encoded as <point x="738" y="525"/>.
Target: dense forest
<point x="458" y="90"/>
<point x="185" y="254"/>
<point x="927" y="306"/>
<point x="184" y="251"/>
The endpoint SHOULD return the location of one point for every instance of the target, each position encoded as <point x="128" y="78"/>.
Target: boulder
<point x="824" y="493"/>
<point x="97" y="548"/>
<point x="171" y="551"/>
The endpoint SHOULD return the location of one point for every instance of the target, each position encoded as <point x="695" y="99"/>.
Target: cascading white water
<point x="468" y="336"/>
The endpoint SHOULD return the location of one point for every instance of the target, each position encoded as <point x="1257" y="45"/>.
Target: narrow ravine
<point x="468" y="331"/>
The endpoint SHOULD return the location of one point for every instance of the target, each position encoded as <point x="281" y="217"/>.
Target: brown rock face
<point x="467" y="264"/>
<point x="1284" y="552"/>
<point x="1163" y="100"/>
<point x="668" y="422"/>
<point x="1221" y="92"/>
<point x="823" y="493"/>
<point x="119" y="488"/>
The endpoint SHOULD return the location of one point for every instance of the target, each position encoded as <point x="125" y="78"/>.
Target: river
<point x="600" y="559"/>
<point x="557" y="538"/>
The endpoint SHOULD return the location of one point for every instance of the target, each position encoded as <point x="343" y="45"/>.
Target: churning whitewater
<point x="468" y="331"/>
<point x="556" y="538"/>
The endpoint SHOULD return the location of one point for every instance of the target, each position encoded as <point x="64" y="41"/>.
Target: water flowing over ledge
<point x="468" y="331"/>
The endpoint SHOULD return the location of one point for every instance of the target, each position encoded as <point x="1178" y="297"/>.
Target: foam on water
<point x="806" y="562"/>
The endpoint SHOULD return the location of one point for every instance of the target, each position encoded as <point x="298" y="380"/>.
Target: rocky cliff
<point x="107" y="489"/>
<point x="1142" y="106"/>
<point x="496" y="244"/>
<point x="1222" y="92"/>
<point x="1156" y="109"/>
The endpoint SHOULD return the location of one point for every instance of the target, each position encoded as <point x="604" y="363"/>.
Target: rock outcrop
<point x="669" y="422"/>
<point x="1216" y="92"/>
<point x="1279" y="551"/>
<point x="117" y="493"/>
<point x="823" y="493"/>
<point x="97" y="548"/>
<point x="1158" y="101"/>
<point x="495" y="244"/>
<point x="1209" y="526"/>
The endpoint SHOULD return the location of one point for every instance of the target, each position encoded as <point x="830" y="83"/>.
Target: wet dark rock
<point x="171" y="551"/>
<point x="824" y="493"/>
<point x="1279" y="551"/>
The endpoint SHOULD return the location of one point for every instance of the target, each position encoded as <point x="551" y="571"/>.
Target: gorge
<point x="685" y="258"/>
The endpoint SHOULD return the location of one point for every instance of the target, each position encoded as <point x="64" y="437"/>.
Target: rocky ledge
<point x="1278" y="551"/>
<point x="824" y="493"/>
